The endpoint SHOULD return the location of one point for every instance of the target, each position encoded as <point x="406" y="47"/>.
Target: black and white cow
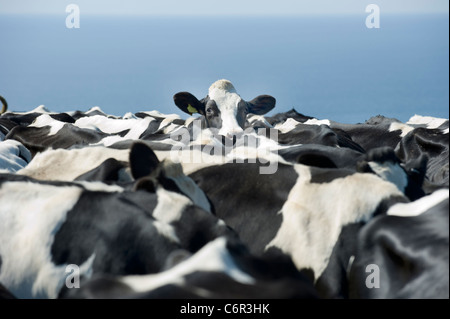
<point x="404" y="254"/>
<point x="223" y="108"/>
<point x="47" y="226"/>
<point x="221" y="269"/>
<point x="299" y="210"/>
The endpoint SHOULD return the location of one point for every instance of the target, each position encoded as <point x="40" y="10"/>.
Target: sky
<point x="221" y="7"/>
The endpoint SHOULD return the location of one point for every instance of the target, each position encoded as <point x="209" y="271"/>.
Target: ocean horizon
<point x="329" y="67"/>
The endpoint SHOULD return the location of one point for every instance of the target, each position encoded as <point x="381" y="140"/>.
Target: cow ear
<point x="188" y="103"/>
<point x="261" y="104"/>
<point x="143" y="160"/>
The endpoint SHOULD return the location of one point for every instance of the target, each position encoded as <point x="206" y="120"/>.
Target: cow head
<point x="223" y="108"/>
<point x="408" y="177"/>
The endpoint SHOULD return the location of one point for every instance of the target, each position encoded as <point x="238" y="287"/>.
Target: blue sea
<point x="329" y="67"/>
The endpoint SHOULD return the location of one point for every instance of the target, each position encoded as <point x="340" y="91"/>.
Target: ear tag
<point x="191" y="109"/>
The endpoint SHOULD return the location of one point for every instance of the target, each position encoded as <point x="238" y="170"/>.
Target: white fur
<point x="391" y="172"/>
<point x="109" y="125"/>
<point x="174" y="171"/>
<point x="39" y="109"/>
<point x="137" y="127"/>
<point x="317" y="122"/>
<point x="314" y="214"/>
<point x="251" y="118"/>
<point x="30" y="215"/>
<point x="419" y="206"/>
<point x="66" y="165"/>
<point x="427" y="121"/>
<point x="226" y="98"/>
<point x="212" y="257"/>
<point x="47" y="120"/>
<point x="287" y="125"/>
<point x="396" y="126"/>
<point x="11" y="153"/>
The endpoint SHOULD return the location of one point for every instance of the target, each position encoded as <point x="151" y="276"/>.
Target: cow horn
<point x="4" y="105"/>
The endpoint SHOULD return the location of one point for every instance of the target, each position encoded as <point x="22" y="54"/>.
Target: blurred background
<point x="316" y="56"/>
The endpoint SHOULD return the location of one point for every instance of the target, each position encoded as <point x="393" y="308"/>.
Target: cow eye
<point x="209" y="110"/>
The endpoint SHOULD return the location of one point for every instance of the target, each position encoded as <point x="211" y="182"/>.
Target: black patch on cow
<point x="333" y="282"/>
<point x="107" y="171"/>
<point x="152" y="128"/>
<point x="335" y="157"/>
<point x="6" y="125"/>
<point x="411" y="253"/>
<point x="5" y="293"/>
<point x="282" y="117"/>
<point x="246" y="200"/>
<point x="121" y="234"/>
<point x="316" y="160"/>
<point x="369" y="136"/>
<point x="323" y="175"/>
<point x="203" y="228"/>
<point x="99" y="287"/>
<point x="433" y="144"/>
<point x="37" y="139"/>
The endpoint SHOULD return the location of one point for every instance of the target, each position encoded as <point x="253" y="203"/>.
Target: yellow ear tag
<point x="191" y="109"/>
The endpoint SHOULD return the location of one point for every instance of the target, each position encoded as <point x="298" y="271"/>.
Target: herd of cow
<point x="232" y="204"/>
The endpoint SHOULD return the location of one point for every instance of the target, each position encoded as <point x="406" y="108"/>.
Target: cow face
<point x="223" y="108"/>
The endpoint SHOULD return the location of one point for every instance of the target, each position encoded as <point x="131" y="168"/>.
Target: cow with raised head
<point x="223" y="108"/>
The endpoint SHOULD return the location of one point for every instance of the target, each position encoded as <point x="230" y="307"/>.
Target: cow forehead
<point x="225" y="100"/>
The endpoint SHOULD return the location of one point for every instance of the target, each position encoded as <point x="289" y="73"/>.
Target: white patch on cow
<point x="419" y="206"/>
<point x="213" y="257"/>
<point x="287" y="125"/>
<point x="12" y="155"/>
<point x="170" y="205"/>
<point x="96" y="109"/>
<point x="129" y="115"/>
<point x="226" y="98"/>
<point x="66" y="165"/>
<point x="100" y="187"/>
<point x="396" y="126"/>
<point x="191" y="160"/>
<point x="47" y="120"/>
<point x="350" y="264"/>
<point x="110" y="125"/>
<point x="314" y="214"/>
<point x="445" y="131"/>
<point x="157" y="114"/>
<point x="317" y="122"/>
<point x="427" y="121"/>
<point x="39" y="109"/>
<point x="31" y="215"/>
<point x="391" y="172"/>
<point x="174" y="171"/>
<point x="252" y="118"/>
<point x="166" y="230"/>
<point x="169" y="128"/>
